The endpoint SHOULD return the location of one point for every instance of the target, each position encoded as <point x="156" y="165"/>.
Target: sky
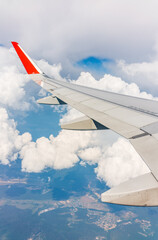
<point x="110" y="45"/>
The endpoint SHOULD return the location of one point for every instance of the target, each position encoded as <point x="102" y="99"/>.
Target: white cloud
<point x="149" y="68"/>
<point x="11" y="89"/>
<point x="56" y="152"/>
<point x="12" y="93"/>
<point x="10" y="139"/>
<point x="77" y="29"/>
<point x="119" y="163"/>
<point x="145" y="74"/>
<point x="65" y="150"/>
<point x="116" y="163"/>
<point x="12" y="96"/>
<point x="13" y="81"/>
<point x="91" y="155"/>
<point x="70" y="115"/>
<point x="51" y="70"/>
<point x="112" y="83"/>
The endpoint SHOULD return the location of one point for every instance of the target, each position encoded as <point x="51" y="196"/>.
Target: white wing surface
<point x="134" y="118"/>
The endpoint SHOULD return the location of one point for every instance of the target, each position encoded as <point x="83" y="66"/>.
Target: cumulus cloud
<point x="14" y="81"/>
<point x="10" y="139"/>
<point x="12" y="93"/>
<point x="68" y="147"/>
<point x="91" y="155"/>
<point x="14" y="97"/>
<point x="56" y="152"/>
<point x="51" y="70"/>
<point x="11" y="88"/>
<point x="115" y="163"/>
<point x="112" y="83"/>
<point x="119" y="163"/>
<point x="70" y="115"/>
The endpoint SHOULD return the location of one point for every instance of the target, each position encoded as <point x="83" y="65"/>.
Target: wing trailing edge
<point x="50" y="100"/>
<point x="83" y="123"/>
<point x="140" y="191"/>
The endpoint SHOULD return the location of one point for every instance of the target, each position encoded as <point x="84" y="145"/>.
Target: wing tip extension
<point x="28" y="64"/>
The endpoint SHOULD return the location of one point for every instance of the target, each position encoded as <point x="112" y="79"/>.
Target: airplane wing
<point x="134" y="118"/>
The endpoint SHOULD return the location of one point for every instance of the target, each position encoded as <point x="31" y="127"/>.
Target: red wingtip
<point x="14" y="44"/>
<point x="26" y="61"/>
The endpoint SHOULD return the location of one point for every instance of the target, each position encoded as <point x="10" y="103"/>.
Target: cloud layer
<point x="144" y="74"/>
<point x="106" y="151"/>
<point x="73" y="30"/>
<point x="69" y="147"/>
<point x="11" y="142"/>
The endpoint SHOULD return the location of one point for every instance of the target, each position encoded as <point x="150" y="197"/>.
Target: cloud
<point x="12" y="97"/>
<point x="73" y="30"/>
<point x="91" y="155"/>
<point x="68" y="147"/>
<point x="109" y="29"/>
<point x="112" y="83"/>
<point x="70" y="115"/>
<point x="12" y="93"/>
<point x="119" y="163"/>
<point x="51" y="70"/>
<point x="145" y="74"/>
<point x="115" y="163"/>
<point x="10" y="141"/>
<point x="56" y="152"/>
<point x="116" y="159"/>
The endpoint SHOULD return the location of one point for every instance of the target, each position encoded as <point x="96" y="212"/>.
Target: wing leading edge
<point x="134" y="118"/>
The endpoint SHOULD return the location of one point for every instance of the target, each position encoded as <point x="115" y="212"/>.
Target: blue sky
<point x="97" y="66"/>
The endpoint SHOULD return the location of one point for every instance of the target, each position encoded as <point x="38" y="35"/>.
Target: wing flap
<point x="83" y="123"/>
<point x="120" y="127"/>
<point x="147" y="148"/>
<point x="139" y="104"/>
<point x="140" y="191"/>
<point x="151" y="128"/>
<point x="50" y="100"/>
